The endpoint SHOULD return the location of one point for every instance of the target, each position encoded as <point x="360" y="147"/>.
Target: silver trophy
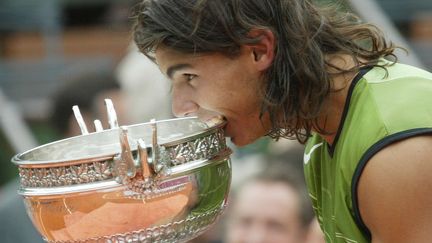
<point x="161" y="181"/>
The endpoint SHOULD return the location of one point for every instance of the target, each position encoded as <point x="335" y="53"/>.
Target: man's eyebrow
<point x="171" y="70"/>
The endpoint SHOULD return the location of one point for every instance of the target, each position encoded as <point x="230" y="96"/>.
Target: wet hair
<point x="299" y="80"/>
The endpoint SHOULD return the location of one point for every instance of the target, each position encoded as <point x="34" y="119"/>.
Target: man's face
<point x="215" y="85"/>
<point x="265" y="212"/>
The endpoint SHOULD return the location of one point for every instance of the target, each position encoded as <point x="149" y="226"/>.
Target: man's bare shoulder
<point x="395" y="192"/>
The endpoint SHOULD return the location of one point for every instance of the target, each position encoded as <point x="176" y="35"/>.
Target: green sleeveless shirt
<point x="380" y="109"/>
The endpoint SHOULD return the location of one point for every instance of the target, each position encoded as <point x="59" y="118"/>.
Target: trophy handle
<point x="141" y="175"/>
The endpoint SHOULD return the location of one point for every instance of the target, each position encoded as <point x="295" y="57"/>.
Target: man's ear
<point x="263" y="51"/>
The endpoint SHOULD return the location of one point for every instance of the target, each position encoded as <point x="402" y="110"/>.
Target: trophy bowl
<point x="161" y="181"/>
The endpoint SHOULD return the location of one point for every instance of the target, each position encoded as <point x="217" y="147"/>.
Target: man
<point x="286" y="68"/>
<point x="270" y="207"/>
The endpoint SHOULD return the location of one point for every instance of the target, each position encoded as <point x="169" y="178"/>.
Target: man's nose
<point x="257" y="235"/>
<point x="182" y="104"/>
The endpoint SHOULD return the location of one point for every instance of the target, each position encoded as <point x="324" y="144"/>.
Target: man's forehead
<point x="168" y="57"/>
<point x="163" y="51"/>
<point x="165" y="56"/>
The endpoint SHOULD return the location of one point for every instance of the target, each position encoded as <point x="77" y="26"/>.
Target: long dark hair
<point x="299" y="79"/>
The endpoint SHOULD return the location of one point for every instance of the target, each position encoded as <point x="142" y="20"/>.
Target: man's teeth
<point x="215" y="121"/>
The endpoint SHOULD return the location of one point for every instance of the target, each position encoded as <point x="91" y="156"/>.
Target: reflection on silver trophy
<point x="161" y="181"/>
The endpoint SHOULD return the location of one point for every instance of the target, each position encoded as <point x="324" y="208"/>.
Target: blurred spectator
<point x="315" y="234"/>
<point x="87" y="93"/>
<point x="271" y="207"/>
<point x="146" y="90"/>
<point x="264" y="180"/>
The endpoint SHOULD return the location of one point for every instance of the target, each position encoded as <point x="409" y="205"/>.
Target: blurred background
<point x="44" y="45"/>
<point x="58" y="53"/>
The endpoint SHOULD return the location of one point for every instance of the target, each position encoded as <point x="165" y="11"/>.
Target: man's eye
<point x="189" y="77"/>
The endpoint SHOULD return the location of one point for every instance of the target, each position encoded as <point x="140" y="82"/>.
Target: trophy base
<point x="175" y="232"/>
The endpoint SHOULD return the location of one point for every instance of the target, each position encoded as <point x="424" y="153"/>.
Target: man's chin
<point x="240" y="142"/>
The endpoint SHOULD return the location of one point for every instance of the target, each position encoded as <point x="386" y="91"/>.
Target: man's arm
<point x="395" y="192"/>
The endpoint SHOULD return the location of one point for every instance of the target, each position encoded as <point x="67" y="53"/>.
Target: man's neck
<point x="331" y="116"/>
